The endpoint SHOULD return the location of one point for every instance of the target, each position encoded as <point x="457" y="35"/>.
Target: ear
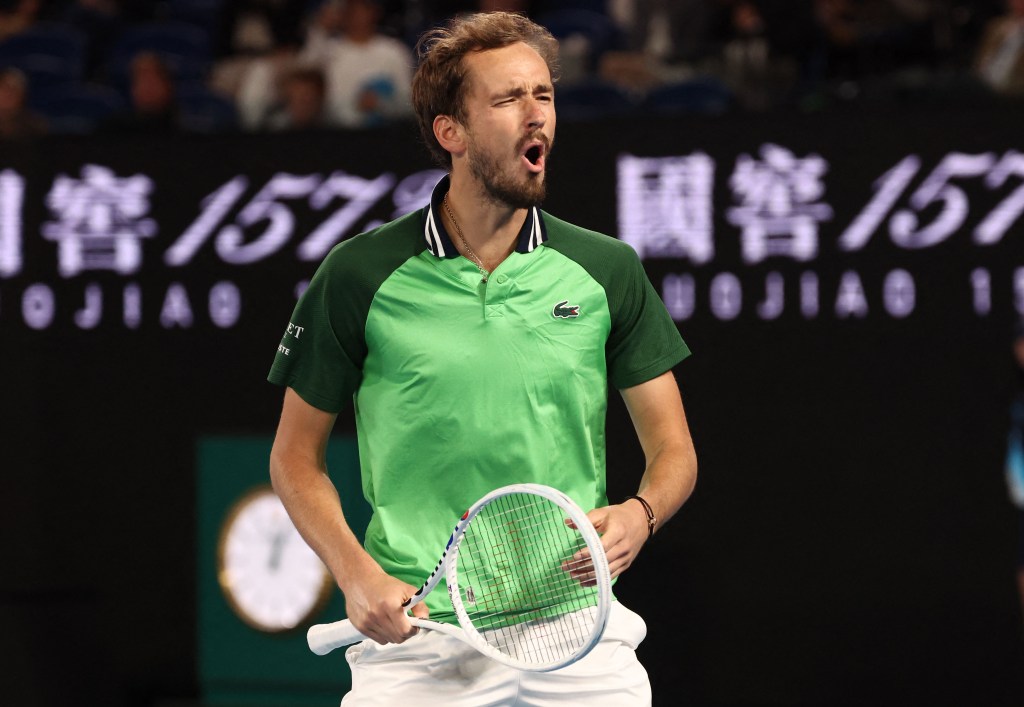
<point x="450" y="134"/>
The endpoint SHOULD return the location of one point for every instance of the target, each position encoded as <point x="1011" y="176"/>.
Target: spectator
<point x="368" y="74"/>
<point x="325" y="27"/>
<point x="258" y="92"/>
<point x="1000" y="58"/>
<point x="16" y="120"/>
<point x="304" y="105"/>
<point x="871" y="38"/>
<point x="258" y="26"/>
<point x="759" y="79"/>
<point x="153" y="109"/>
<point x="674" y="31"/>
<point x="16" y="16"/>
<point x="666" y="40"/>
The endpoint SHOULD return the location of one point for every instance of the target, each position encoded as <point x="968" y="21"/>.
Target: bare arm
<point x="298" y="471"/>
<point x="670" y="475"/>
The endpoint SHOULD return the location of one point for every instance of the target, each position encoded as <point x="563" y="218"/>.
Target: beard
<point x="507" y="188"/>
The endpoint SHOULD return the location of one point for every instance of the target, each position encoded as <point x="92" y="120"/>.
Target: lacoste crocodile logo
<point x="564" y="310"/>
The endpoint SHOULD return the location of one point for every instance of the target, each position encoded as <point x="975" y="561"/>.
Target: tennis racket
<point x="527" y="577"/>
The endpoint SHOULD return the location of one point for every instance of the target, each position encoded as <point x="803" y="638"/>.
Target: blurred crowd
<point x="159" y="66"/>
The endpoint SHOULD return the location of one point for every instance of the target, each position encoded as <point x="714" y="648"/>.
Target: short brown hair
<point x="439" y="86"/>
<point x="307" y="74"/>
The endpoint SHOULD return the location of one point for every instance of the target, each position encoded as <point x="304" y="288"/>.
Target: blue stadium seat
<point x="598" y="29"/>
<point x="176" y="39"/>
<point x="703" y="95"/>
<point x="204" y="111"/>
<point x="184" y="48"/>
<point x="592" y="99"/>
<point x="76" y="108"/>
<point x="48" y="54"/>
<point x="202" y="13"/>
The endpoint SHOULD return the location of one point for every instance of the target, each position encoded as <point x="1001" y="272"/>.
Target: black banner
<point x="847" y="283"/>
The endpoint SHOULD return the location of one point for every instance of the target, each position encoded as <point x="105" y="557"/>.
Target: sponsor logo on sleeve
<point x="294" y="331"/>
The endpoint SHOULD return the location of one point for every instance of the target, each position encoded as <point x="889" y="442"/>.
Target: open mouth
<point x="533" y="156"/>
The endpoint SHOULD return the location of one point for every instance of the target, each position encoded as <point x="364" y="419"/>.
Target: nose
<point x="537" y="115"/>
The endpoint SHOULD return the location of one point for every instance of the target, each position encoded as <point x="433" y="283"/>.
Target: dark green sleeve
<point x="644" y="341"/>
<point x="322" y="350"/>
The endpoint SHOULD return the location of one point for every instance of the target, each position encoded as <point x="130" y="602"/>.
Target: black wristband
<point x="651" y="520"/>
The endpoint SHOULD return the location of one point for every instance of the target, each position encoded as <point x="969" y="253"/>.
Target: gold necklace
<point x="469" y="251"/>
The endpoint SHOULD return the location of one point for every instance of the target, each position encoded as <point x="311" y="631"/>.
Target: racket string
<point x="515" y="562"/>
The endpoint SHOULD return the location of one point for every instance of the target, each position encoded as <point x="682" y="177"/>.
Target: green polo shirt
<point x="461" y="386"/>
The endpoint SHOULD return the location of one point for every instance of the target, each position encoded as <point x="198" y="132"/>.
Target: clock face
<point x="270" y="577"/>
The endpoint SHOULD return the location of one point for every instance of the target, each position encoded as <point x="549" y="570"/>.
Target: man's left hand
<point x="623" y="530"/>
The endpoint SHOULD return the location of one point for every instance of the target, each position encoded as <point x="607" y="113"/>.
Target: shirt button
<point x="502" y="279"/>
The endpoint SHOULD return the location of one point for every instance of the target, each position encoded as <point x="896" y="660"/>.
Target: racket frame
<point x="602" y="577"/>
<point x="323" y="638"/>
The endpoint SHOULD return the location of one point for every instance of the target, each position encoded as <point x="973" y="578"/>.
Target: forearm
<point x="670" y="471"/>
<point x="669" y="479"/>
<point x="315" y="508"/>
<point x="374" y="601"/>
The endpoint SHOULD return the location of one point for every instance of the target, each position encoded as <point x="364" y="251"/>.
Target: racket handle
<point x="324" y="638"/>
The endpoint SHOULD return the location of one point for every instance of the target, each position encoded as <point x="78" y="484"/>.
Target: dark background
<point x="850" y="540"/>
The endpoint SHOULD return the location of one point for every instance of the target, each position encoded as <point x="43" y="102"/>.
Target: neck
<point x="491" y="229"/>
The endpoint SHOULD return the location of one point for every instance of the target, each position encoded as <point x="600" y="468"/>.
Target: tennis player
<point x="477" y="338"/>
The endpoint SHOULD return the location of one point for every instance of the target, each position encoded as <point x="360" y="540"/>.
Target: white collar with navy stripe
<point x="439" y="243"/>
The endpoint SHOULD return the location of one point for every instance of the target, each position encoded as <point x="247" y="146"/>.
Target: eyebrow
<point x="520" y="91"/>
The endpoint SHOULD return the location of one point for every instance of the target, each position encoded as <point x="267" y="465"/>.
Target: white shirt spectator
<point x="368" y="75"/>
<point x="367" y="82"/>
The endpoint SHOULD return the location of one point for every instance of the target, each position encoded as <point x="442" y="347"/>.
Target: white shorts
<point x="434" y="669"/>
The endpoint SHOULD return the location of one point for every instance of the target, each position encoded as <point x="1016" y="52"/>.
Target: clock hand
<point x="276" y="549"/>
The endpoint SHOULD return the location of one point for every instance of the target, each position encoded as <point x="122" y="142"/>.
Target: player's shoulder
<point x="379" y="251"/>
<point x="591" y="249"/>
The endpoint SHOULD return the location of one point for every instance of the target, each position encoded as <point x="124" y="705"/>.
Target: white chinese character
<point x="779" y="212"/>
<point x="665" y="206"/>
<point x="99" y="220"/>
<point x="12" y="196"/>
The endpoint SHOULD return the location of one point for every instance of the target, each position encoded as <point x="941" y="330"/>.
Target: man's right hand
<point x="375" y="606"/>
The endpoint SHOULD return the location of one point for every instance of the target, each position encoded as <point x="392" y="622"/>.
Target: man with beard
<point x="477" y="338"/>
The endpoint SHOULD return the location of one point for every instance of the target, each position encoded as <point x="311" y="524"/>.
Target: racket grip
<point x="324" y="638"/>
